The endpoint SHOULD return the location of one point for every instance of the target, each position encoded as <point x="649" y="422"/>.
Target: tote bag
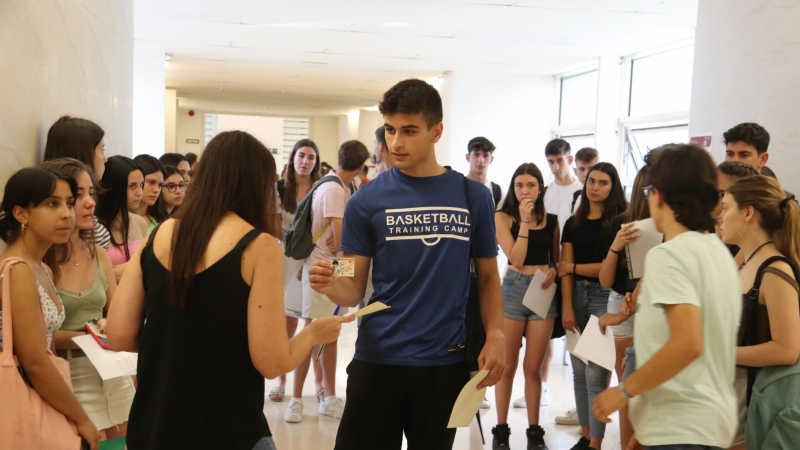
<point x="28" y="421"/>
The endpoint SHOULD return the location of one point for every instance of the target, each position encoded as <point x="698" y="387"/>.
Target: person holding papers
<point x="583" y="247"/>
<point x="418" y="222"/>
<point x="530" y="239"/>
<point x="202" y="303"/>
<point x="85" y="282"/>
<point x="614" y="275"/>
<point x="681" y="394"/>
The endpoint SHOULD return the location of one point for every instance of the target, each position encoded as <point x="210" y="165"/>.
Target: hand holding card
<point x="344" y="267"/>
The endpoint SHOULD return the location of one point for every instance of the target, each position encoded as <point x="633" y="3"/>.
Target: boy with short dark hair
<point x="585" y="159"/>
<point x="747" y="142"/>
<point x="480" y="155"/>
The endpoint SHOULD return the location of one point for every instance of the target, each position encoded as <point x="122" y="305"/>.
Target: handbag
<point x="28" y="421"/>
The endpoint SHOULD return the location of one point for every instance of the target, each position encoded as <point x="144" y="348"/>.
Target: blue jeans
<point x="588" y="299"/>
<point x="681" y="447"/>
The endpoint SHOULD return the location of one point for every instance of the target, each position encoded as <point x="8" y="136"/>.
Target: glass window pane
<point x="578" y="142"/>
<point x="578" y="99"/>
<point x="644" y="140"/>
<point x="662" y="83"/>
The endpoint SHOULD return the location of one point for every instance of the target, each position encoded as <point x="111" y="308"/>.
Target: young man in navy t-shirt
<point x="414" y="223"/>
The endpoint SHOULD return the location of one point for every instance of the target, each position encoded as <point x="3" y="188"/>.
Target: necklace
<point x="747" y="260"/>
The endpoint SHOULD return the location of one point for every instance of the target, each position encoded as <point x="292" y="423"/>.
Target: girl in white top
<point x="689" y="308"/>
<point x="38" y="205"/>
<point x="301" y="174"/>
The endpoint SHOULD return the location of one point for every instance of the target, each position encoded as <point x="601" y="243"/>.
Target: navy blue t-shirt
<point x="417" y="232"/>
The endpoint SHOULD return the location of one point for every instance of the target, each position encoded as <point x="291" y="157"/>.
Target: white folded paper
<point x="596" y="346"/>
<point x="635" y="252"/>
<point x="468" y="402"/>
<point x="537" y="299"/>
<point x="108" y="363"/>
<point x="572" y="340"/>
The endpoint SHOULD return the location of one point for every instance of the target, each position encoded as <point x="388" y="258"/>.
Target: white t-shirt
<point x="558" y="200"/>
<point x="697" y="406"/>
<point x="328" y="203"/>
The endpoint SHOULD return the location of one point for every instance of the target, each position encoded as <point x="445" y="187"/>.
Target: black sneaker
<point x="535" y="435"/>
<point x="583" y="444"/>
<point x="500" y="440"/>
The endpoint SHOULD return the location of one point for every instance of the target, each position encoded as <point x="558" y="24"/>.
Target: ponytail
<point x="787" y="239"/>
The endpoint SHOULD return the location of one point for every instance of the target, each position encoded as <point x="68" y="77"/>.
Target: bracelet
<point x="522" y="237"/>
<point x="575" y="268"/>
<point x="522" y="221"/>
<point x="624" y="391"/>
<point x="614" y="251"/>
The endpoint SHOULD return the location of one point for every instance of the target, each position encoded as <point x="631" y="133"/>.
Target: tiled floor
<point x="319" y="432"/>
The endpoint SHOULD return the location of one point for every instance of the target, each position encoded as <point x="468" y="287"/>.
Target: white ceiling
<point x="325" y="57"/>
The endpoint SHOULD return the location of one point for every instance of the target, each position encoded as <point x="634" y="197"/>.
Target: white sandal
<point x="277" y="394"/>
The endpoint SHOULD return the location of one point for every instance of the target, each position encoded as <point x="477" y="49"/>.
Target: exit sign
<point x="193" y="141"/>
<point x="274" y="151"/>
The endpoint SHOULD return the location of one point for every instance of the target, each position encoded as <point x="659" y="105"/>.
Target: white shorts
<point x="316" y="305"/>
<point x="107" y="403"/>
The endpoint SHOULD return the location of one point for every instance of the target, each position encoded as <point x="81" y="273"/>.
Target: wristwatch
<point x="624" y="391"/>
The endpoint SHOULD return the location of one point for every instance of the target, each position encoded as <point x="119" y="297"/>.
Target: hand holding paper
<point x="596" y="347"/>
<point x="371" y="308"/>
<point x="637" y="250"/>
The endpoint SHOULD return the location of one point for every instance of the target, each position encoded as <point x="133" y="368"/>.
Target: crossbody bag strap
<point x="8" y="326"/>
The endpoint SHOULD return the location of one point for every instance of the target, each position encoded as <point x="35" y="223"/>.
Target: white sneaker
<point x="294" y="411"/>
<point x="485" y="404"/>
<point x="568" y="418"/>
<point x="332" y="406"/>
<point x="520" y="403"/>
<point x="544" y="400"/>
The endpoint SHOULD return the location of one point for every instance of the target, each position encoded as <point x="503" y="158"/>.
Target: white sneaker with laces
<point x="520" y="403"/>
<point x="332" y="406"/>
<point x="568" y="418"/>
<point x="485" y="404"/>
<point x="294" y="411"/>
<point x="544" y="400"/>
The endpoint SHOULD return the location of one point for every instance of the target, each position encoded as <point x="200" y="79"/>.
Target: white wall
<point x="60" y="58"/>
<point x="268" y="130"/>
<point x="324" y="131"/>
<point x="190" y="127"/>
<point x="368" y="122"/>
<point x="149" y="100"/>
<point x="747" y="69"/>
<point x="170" y="120"/>
<point x="514" y="112"/>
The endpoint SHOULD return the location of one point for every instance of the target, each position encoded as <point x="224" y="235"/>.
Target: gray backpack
<point x="298" y="242"/>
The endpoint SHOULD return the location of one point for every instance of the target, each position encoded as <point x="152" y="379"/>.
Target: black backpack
<point x="298" y="243"/>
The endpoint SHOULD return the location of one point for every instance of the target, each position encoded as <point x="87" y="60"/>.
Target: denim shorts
<point x="625" y="329"/>
<point x="515" y="285"/>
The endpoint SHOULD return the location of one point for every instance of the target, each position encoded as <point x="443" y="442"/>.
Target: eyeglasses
<point x="647" y="190"/>
<point x="172" y="186"/>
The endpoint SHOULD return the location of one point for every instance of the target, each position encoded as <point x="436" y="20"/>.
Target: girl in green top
<point x="85" y="282"/>
<point x="150" y="207"/>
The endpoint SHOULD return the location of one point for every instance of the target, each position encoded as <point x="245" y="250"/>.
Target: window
<point x="639" y="141"/>
<point x="661" y="83"/>
<point x="578" y="101"/>
<point x="577" y="142"/>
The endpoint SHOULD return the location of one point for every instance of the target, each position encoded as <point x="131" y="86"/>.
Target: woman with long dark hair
<point x="150" y="207"/>
<point x="211" y="275"/>
<point x="85" y="282"/>
<point x="583" y="247"/>
<point x="38" y="207"/>
<point x="614" y="275"/>
<point x="173" y="190"/>
<point x="301" y="174"/>
<point x="84" y="140"/>
<point x="530" y="239"/>
<point x="123" y="183"/>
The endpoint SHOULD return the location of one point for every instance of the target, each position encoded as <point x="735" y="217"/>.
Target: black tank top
<point x="197" y="388"/>
<point x="540" y="242"/>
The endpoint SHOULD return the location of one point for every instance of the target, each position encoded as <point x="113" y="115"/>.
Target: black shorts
<point x="383" y="402"/>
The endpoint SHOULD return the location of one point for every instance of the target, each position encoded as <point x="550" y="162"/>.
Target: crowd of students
<point x="196" y="281"/>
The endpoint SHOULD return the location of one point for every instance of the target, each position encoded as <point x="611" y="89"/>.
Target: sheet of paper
<point x="468" y="402"/>
<point x="572" y="340"/>
<point x="637" y="250"/>
<point x="537" y="299"/>
<point x="371" y="308"/>
<point x="108" y="363"/>
<point x="595" y="346"/>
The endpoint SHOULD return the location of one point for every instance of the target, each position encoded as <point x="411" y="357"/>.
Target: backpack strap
<point x="497" y="194"/>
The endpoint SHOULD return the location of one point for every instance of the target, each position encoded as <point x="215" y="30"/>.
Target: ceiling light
<point x="373" y="108"/>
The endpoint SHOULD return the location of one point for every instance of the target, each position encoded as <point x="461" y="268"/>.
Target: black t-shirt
<point x="622" y="284"/>
<point x="540" y="242"/>
<point x="589" y="241"/>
